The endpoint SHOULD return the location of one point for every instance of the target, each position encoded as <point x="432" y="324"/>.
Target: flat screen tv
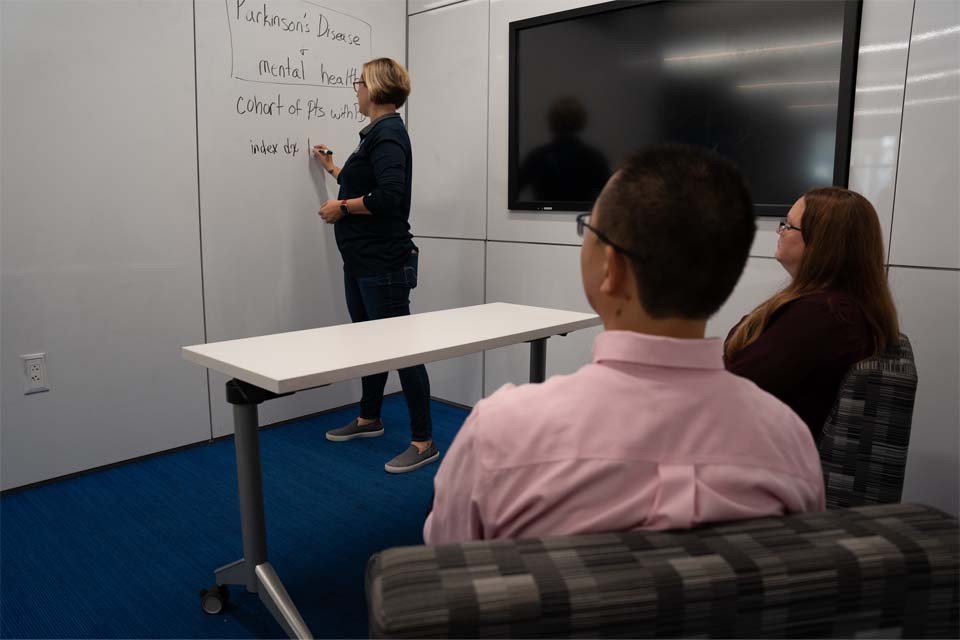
<point x="768" y="84"/>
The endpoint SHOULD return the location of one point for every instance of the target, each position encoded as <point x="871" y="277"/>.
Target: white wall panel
<point x="447" y="120"/>
<point x="543" y="276"/>
<point x="928" y="302"/>
<point x="100" y="248"/>
<point x="762" y="277"/>
<point x="926" y="223"/>
<point x="451" y="276"/>
<point x="881" y="67"/>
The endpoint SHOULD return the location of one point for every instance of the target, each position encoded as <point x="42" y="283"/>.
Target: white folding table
<point x="268" y="367"/>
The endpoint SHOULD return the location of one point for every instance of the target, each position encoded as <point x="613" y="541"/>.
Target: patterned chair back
<point x="879" y="571"/>
<point x="863" y="448"/>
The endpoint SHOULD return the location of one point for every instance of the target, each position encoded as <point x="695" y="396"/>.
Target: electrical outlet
<point x="35" y="373"/>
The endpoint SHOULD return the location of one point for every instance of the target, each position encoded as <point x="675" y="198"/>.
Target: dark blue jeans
<point x="388" y="296"/>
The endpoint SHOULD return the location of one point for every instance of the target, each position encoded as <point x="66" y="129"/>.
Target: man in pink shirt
<point x="654" y="433"/>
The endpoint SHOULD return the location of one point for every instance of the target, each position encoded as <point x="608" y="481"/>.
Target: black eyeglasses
<point x="786" y="226"/>
<point x="583" y="224"/>
<point x="357" y="83"/>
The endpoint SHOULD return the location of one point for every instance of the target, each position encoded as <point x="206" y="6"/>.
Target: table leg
<point x="249" y="478"/>
<point x="538" y="360"/>
<point x="254" y="570"/>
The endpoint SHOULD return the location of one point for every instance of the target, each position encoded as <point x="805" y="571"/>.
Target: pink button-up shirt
<point x="654" y="434"/>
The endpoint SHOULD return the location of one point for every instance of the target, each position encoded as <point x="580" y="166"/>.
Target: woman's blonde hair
<point x="387" y="81"/>
<point x="843" y="251"/>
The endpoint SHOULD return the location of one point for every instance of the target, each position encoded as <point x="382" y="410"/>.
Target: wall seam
<point x="416" y="13"/>
<point x="203" y="291"/>
<point x="916" y="267"/>
<point x="486" y="202"/>
<point x="450" y="238"/>
<point x="896" y="169"/>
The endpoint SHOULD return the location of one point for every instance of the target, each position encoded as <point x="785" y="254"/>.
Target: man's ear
<point x="615" y="272"/>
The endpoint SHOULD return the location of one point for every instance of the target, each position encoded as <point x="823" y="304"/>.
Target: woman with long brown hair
<point x="836" y="311"/>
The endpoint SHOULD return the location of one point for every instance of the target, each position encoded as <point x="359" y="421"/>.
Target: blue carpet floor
<point x="123" y="552"/>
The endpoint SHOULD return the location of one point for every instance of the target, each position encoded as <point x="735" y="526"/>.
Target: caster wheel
<point x="214" y="600"/>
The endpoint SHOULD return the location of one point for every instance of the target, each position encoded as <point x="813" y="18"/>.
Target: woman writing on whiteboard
<point x="371" y="222"/>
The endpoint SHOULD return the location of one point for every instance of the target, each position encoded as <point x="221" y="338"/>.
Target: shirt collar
<point x="367" y="129"/>
<point x="641" y="348"/>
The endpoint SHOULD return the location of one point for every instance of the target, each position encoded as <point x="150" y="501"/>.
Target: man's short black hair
<point x="686" y="215"/>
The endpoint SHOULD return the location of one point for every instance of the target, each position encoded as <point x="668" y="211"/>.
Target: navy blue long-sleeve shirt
<point x="380" y="171"/>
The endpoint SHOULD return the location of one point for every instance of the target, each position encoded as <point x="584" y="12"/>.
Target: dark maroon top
<point x="806" y="349"/>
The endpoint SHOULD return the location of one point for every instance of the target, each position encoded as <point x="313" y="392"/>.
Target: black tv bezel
<point x="848" y="75"/>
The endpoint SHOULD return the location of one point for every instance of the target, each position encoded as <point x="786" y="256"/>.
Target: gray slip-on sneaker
<point x="412" y="459"/>
<point x="354" y="430"/>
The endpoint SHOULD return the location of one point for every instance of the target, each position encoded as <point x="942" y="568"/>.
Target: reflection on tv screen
<point x="759" y="82"/>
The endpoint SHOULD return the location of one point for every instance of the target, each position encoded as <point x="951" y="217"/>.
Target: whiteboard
<point x="273" y="77"/>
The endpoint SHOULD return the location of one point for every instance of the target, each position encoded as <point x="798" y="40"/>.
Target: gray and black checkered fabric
<point x="863" y="447"/>
<point x="873" y="571"/>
